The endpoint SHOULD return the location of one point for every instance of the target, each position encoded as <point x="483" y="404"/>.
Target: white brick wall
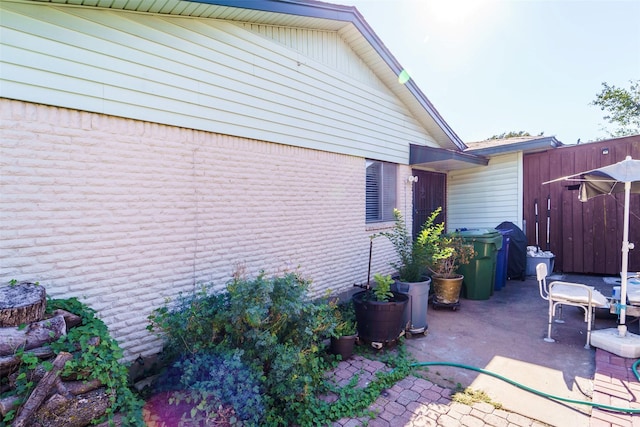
<point x="123" y="214"/>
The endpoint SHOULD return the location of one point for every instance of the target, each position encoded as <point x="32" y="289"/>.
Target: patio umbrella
<point x="611" y="179"/>
<point x="620" y="177"/>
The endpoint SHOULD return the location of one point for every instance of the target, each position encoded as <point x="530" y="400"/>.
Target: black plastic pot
<point x="380" y="322"/>
<point x="343" y="346"/>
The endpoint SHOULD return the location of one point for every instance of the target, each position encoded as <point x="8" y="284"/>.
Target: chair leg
<point x="551" y="310"/>
<point x="590" y="317"/>
<point x="560" y="320"/>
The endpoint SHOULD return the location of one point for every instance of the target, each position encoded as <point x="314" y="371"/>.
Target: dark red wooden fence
<point x="584" y="237"/>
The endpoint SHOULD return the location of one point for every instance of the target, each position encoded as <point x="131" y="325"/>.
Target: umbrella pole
<point x="622" y="327"/>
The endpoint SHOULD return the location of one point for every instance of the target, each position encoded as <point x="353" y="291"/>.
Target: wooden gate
<point x="584" y="237"/>
<point x="429" y="193"/>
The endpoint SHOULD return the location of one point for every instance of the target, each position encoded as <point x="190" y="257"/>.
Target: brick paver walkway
<point x="419" y="402"/>
<point x="615" y="384"/>
<point x="416" y="402"/>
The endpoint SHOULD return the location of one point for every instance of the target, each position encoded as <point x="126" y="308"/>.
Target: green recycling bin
<point x="479" y="274"/>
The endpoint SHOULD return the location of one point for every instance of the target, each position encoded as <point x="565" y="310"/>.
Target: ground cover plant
<point x="258" y="352"/>
<point x="353" y="401"/>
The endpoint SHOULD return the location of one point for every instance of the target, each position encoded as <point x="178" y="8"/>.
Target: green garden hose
<point x="539" y="393"/>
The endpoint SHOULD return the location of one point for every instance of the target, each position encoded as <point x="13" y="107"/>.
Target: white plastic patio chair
<point x="566" y="293"/>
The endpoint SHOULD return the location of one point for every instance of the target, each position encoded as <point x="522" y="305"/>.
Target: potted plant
<point x="413" y="256"/>
<point x="450" y="253"/>
<point x="380" y="312"/>
<point x="344" y="334"/>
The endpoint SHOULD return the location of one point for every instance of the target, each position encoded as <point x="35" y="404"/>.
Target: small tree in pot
<point x="382" y="291"/>
<point x="450" y="253"/>
<point x="414" y="255"/>
<point x="379" y="312"/>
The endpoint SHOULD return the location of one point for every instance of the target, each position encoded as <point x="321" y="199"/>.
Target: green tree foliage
<point x="513" y="134"/>
<point x="622" y="107"/>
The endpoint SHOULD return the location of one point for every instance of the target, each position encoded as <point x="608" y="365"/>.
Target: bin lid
<point x="479" y="232"/>
<point x="484" y="235"/>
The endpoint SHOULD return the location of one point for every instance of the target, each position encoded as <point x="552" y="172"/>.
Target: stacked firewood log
<point x="55" y="400"/>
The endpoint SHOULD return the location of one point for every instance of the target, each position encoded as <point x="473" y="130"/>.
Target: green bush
<point x="190" y="324"/>
<point x="382" y="291"/>
<point x="272" y="320"/>
<point x="345" y="316"/>
<point x="210" y="380"/>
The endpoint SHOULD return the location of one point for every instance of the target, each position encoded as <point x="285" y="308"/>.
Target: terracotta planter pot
<point x="447" y="290"/>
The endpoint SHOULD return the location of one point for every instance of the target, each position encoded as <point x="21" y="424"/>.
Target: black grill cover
<point x="517" y="256"/>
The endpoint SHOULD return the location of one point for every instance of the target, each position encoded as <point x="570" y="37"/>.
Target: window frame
<point x="380" y="191"/>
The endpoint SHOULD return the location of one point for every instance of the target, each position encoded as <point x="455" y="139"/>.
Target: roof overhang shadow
<point x="442" y="159"/>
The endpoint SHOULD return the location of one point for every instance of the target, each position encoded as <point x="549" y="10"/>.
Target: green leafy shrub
<point x="210" y="380"/>
<point x="272" y="320"/>
<point x="191" y="323"/>
<point x="345" y="317"/>
<point x="413" y="255"/>
<point x="382" y="291"/>
<point x="451" y="252"/>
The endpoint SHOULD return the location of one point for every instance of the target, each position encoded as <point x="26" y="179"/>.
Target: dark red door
<point x="429" y="193"/>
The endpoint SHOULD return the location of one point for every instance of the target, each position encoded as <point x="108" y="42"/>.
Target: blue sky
<point x="493" y="66"/>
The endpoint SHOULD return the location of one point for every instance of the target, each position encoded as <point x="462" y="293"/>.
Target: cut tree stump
<point x="21" y="303"/>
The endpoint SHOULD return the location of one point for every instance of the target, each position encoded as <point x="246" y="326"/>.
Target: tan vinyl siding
<point x="486" y="196"/>
<point x="203" y="74"/>
<point x="323" y="46"/>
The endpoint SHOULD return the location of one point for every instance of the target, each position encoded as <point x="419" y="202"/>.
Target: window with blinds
<point x="380" y="191"/>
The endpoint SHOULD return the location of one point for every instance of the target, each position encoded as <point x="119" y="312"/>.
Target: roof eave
<point x="530" y="146"/>
<point x="440" y="159"/>
<point x="350" y="14"/>
<point x="308" y="8"/>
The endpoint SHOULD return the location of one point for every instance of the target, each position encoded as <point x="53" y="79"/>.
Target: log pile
<point x="55" y="399"/>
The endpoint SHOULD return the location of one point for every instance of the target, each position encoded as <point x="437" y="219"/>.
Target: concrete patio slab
<point x="504" y="335"/>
